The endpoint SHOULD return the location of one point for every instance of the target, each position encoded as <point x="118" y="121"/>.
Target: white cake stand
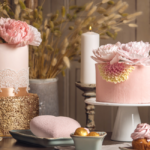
<point x="126" y="120"/>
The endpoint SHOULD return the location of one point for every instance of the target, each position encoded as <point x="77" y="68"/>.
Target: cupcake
<point x="141" y="137"/>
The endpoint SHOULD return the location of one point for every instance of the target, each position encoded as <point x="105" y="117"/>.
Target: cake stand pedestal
<point x="126" y="120"/>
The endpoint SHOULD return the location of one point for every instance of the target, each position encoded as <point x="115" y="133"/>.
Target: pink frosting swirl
<point x="141" y="131"/>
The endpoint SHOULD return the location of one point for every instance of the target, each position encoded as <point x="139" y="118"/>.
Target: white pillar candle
<point x="89" y="42"/>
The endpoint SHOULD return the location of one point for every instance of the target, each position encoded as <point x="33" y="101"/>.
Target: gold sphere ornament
<point x="81" y="132"/>
<point x="93" y="134"/>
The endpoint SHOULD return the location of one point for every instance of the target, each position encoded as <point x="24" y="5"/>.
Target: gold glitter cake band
<point x="10" y="92"/>
<point x="17" y="112"/>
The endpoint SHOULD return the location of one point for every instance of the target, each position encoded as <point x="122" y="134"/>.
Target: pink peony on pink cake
<point x="123" y="73"/>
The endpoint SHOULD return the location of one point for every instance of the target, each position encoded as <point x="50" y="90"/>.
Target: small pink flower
<point x="19" y="33"/>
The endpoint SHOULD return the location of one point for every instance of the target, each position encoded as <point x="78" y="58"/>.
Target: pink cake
<point x="123" y="73"/>
<point x="134" y="90"/>
<point x="14" y="70"/>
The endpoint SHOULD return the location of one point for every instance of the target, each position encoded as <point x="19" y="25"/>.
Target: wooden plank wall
<point x="71" y="101"/>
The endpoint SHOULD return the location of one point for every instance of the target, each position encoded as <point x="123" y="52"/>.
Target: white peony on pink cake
<point x="123" y="73"/>
<point x="17" y="106"/>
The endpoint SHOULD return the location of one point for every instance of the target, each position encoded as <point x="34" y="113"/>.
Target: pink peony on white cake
<point x="14" y="71"/>
<point x="123" y="73"/>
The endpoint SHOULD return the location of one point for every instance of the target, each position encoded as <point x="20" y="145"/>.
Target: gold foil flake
<point x="16" y="114"/>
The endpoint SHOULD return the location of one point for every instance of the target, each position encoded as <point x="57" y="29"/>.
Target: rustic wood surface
<point x="12" y="144"/>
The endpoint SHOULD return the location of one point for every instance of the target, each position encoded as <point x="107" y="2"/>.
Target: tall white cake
<point x="14" y="70"/>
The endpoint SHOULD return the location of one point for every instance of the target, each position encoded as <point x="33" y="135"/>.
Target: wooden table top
<point x="12" y="144"/>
